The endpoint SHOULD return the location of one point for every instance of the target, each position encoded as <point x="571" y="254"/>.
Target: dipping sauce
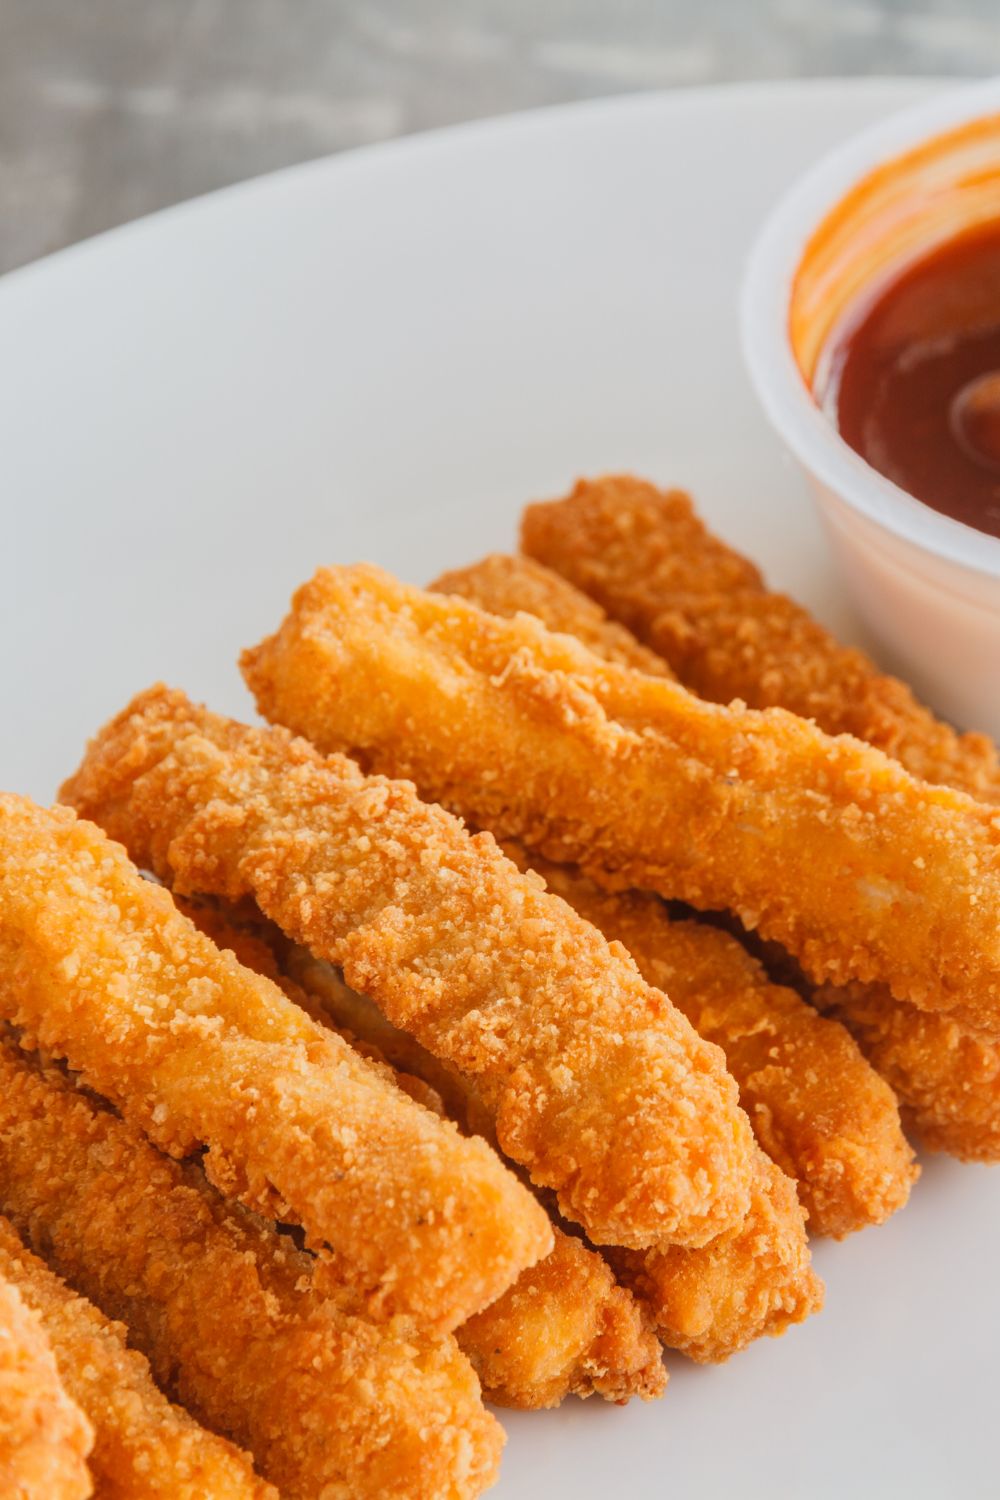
<point x="915" y="383"/>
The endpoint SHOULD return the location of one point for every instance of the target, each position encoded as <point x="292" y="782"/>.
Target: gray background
<point x="112" y="108"/>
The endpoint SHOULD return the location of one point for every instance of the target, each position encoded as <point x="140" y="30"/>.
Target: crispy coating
<point x="241" y="930"/>
<point x="329" y="1402"/>
<point x="817" y="1107"/>
<point x="197" y="1050"/>
<point x="946" y="1075"/>
<point x="44" y="1436"/>
<point x="646" y="557"/>
<point x="509" y="586"/>
<point x="708" y="1302"/>
<point x="752" y="1281"/>
<point x="255" y="941"/>
<point x="144" y="1447"/>
<point x="599" y="1087"/>
<point x="824" y="844"/>
<point x="324" y="991"/>
<point x="565" y="1327"/>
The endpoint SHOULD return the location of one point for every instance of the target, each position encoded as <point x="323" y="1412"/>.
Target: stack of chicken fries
<point x="576" y="939"/>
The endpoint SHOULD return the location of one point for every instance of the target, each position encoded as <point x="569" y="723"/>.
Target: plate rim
<point x="422" y="142"/>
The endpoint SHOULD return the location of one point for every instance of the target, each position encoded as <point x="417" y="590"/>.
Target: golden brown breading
<point x="752" y="1281"/>
<point x="818" y="1109"/>
<point x="241" y="930"/>
<point x="824" y="844"/>
<point x="254" y="941"/>
<point x="509" y="586"/>
<point x="197" y="1050"/>
<point x="44" y="1436"/>
<point x="946" y="1075"/>
<point x="599" y="1087"/>
<point x="645" y="556"/>
<point x="565" y="1327"/>
<point x="324" y="991"/>
<point x="328" y="1401"/>
<point x="144" y="1447"/>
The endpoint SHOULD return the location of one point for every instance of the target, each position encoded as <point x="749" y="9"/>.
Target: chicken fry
<point x="645" y="556"/>
<point x="44" y="1436"/>
<point x="817" y="1108"/>
<point x="144" y="1447"/>
<point x="223" y="1305"/>
<point x="946" y="1075"/>
<point x="755" y="1280"/>
<point x="323" y="989"/>
<point x="599" y="1088"/>
<point x="253" y="941"/>
<point x="565" y="1327"/>
<point x="708" y="1302"/>
<point x="518" y="585"/>
<point x="196" y="1050"/>
<point x="824" y="844"/>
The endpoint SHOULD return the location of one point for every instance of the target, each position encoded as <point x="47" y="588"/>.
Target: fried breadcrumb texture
<point x="565" y="1327"/>
<point x="598" y="1086"/>
<point x="225" y="1308"/>
<point x="324" y="990"/>
<point x="753" y="1281"/>
<point x="510" y="586"/>
<point x="946" y="1075"/>
<point x="196" y="1050"/>
<point x="44" y="1436"/>
<point x="737" y="1288"/>
<point x="825" y="845"/>
<point x="254" y="941"/>
<point x="645" y="556"/>
<point x="817" y="1107"/>
<point x="144" y="1447"/>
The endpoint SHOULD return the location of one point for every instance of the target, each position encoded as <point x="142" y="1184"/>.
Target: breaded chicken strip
<point x="196" y="1050"/>
<point x="817" y="1107"/>
<point x="599" y="1087"/>
<point x="329" y="1402"/>
<point x="752" y="1281"/>
<point x="946" y="1075"/>
<point x="44" y="1436"/>
<point x="646" y="557"/>
<point x="825" y="845"/>
<point x="144" y="1447"/>
<point x="515" y="585"/>
<point x="253" y="940"/>
<point x="565" y="1327"/>
<point x="708" y="1302"/>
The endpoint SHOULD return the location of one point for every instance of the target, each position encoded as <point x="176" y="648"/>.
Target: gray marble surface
<point x="112" y="108"/>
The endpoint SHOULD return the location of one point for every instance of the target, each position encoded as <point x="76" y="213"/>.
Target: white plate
<point x="383" y="356"/>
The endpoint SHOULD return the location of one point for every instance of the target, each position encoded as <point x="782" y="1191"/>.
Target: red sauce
<point x="916" y="383"/>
